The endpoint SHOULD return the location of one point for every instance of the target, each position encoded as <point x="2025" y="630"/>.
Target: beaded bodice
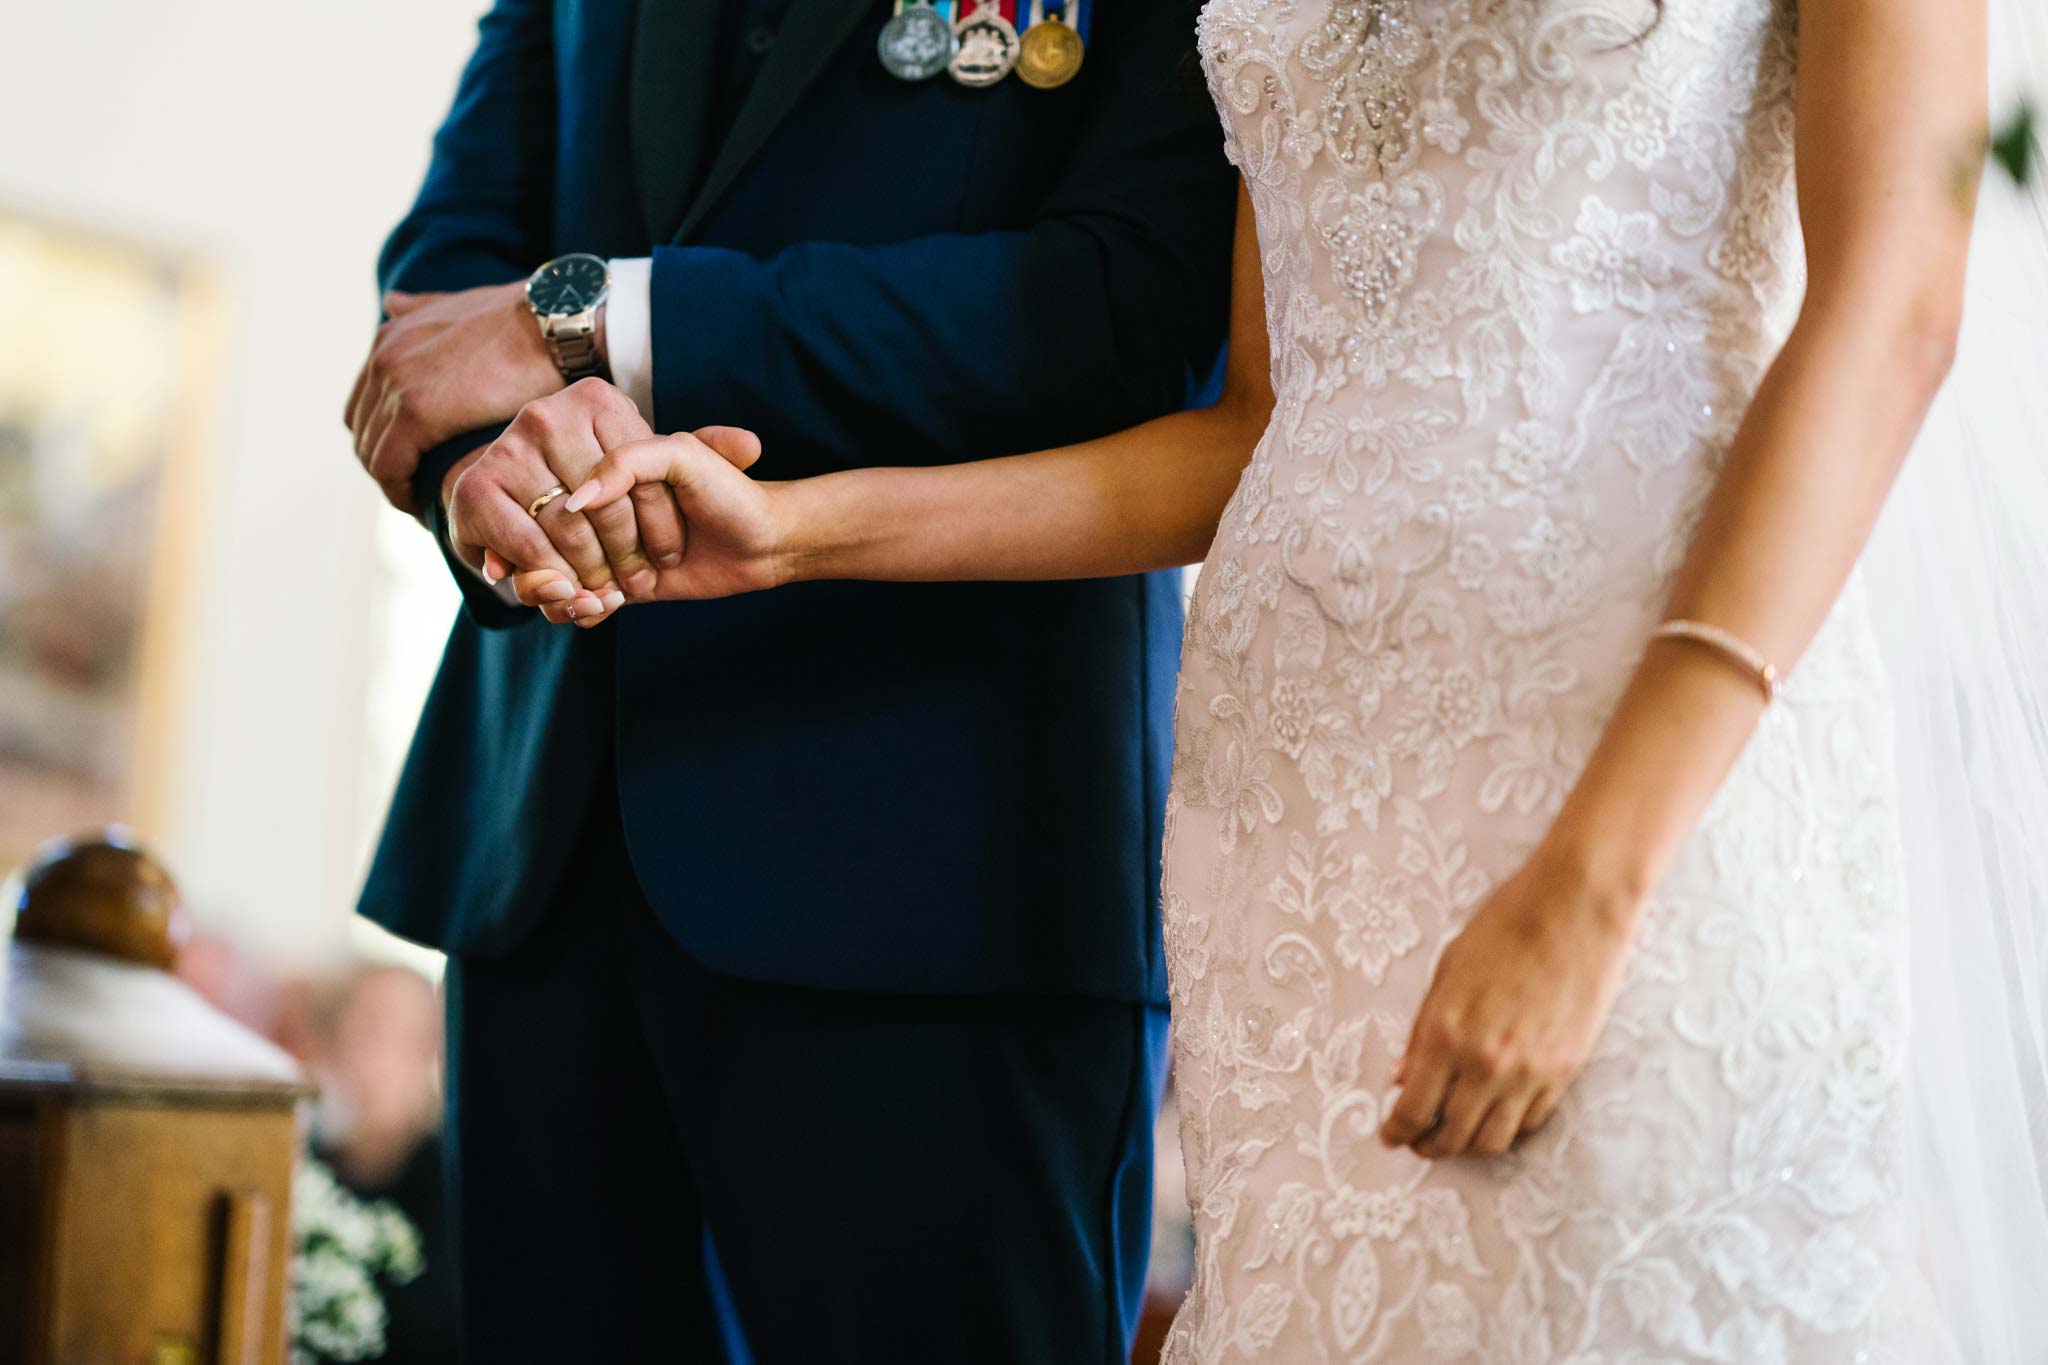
<point x="1524" y="259"/>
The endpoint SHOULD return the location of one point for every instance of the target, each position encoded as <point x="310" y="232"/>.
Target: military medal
<point x="988" y="45"/>
<point x="1049" y="54"/>
<point x="917" y="43"/>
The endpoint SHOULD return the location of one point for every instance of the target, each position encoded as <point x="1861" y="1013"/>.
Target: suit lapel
<point x="811" y="31"/>
<point x="671" y="92"/>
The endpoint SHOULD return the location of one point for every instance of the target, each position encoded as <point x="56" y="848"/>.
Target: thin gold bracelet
<point x="1733" y="648"/>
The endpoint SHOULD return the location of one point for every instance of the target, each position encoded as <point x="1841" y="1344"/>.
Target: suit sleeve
<point x="1095" y="316"/>
<point x="482" y="217"/>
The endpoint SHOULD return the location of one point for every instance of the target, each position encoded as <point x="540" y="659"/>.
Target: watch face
<point x="567" y="285"/>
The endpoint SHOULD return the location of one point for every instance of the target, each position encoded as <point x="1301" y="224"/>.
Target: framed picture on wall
<point x="103" y="398"/>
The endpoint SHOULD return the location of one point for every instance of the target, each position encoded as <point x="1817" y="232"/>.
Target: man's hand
<point x="600" y="558"/>
<point x="735" y="535"/>
<point x="442" y="365"/>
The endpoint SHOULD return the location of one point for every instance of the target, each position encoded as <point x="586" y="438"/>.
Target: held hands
<point x="583" y="532"/>
<point x="733" y="539"/>
<point x="1511" y="1015"/>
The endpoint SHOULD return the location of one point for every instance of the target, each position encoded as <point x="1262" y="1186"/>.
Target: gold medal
<point x="1049" y="54"/>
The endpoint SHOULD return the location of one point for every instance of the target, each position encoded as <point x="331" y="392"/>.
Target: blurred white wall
<point x="279" y="140"/>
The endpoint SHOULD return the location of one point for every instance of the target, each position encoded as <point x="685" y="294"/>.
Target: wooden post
<point x="156" y="1216"/>
<point x="244" y="1277"/>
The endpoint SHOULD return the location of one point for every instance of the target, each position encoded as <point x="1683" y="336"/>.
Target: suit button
<point x="760" y="39"/>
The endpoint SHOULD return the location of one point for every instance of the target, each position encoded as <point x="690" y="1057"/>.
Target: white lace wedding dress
<point x="1525" y="262"/>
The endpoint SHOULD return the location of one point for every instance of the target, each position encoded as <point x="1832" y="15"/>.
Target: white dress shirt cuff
<point x="629" y="332"/>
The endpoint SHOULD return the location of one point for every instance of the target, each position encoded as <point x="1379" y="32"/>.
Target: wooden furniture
<point x="144" y="1219"/>
<point x="146" y="1139"/>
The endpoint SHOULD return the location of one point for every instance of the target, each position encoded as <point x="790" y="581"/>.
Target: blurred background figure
<point x="229" y="980"/>
<point x="370" y="1039"/>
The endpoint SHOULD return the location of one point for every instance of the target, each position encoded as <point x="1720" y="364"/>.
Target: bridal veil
<point x="1958" y="577"/>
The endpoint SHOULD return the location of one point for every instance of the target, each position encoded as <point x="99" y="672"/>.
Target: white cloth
<point x="629" y="331"/>
<point x="66" y="1005"/>
<point x="1957" y="565"/>
<point x="1524" y="267"/>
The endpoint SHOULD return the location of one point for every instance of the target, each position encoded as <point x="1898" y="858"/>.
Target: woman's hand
<point x="732" y="540"/>
<point x="601" y="559"/>
<point x="1510" y="1017"/>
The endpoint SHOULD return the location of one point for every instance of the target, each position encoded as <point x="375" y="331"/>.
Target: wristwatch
<point x="565" y="296"/>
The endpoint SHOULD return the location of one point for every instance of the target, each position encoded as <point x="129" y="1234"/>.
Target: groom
<point x="817" y="926"/>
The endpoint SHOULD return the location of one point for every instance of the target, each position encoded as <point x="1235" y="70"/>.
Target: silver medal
<point x="988" y="46"/>
<point x="917" y="43"/>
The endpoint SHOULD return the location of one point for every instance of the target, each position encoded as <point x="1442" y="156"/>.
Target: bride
<point x="1538" y="873"/>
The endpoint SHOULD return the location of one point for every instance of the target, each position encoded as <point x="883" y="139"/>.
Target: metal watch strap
<point x="573" y="342"/>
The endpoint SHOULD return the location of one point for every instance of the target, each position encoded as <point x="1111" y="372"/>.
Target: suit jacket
<point x="950" y="788"/>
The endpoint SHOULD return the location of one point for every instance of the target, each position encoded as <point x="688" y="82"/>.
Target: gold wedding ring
<point x="533" y="508"/>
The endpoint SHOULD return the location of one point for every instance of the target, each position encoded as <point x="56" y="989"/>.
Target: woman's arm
<point x="1145" y="498"/>
<point x="1891" y="94"/>
<point x="1887" y="228"/>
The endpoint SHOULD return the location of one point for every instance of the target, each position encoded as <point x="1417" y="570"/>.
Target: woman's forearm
<point x="1887" y="223"/>
<point x="1145" y="498"/>
<point x="1796" y="500"/>
<point x="1790" y="513"/>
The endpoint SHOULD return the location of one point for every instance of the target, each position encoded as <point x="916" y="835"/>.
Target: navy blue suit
<point x="917" y="799"/>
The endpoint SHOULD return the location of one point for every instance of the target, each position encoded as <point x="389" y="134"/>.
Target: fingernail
<point x="583" y="494"/>
<point x="491" y="574"/>
<point x="554" y="592"/>
<point x="669" y="560"/>
<point x="640" y="580"/>
<point x="614" y="600"/>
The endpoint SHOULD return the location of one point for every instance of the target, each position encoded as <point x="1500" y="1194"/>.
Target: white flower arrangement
<point x="342" y="1248"/>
